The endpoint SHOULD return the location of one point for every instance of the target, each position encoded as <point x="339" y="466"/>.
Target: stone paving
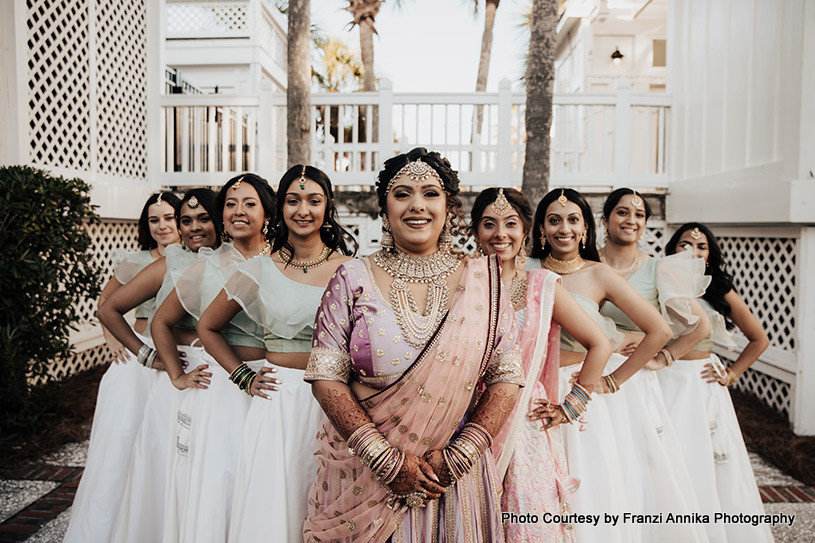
<point x="35" y="500"/>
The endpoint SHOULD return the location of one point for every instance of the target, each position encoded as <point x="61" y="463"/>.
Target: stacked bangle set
<point x="465" y="450"/>
<point x="611" y="383"/>
<point x="243" y="376"/>
<point x="146" y="356"/>
<point x="374" y="451"/>
<point x="576" y="402"/>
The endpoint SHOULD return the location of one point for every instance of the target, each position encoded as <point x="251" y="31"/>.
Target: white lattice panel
<point x="107" y="236"/>
<point x="121" y="51"/>
<point x="206" y="18"/>
<point x="770" y="390"/>
<point x="59" y="84"/>
<point x="764" y="274"/>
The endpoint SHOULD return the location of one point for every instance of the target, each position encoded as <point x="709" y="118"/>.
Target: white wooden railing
<point x="598" y="140"/>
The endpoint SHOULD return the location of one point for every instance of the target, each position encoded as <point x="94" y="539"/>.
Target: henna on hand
<point x="340" y="406"/>
<point x="405" y="481"/>
<point x="495" y="406"/>
<point x="436" y="460"/>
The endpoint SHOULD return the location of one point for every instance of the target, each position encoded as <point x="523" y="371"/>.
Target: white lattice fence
<point x="214" y="19"/>
<point x="106" y="236"/>
<point x="765" y="274"/>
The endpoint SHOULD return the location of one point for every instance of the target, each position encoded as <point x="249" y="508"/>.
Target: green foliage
<point x="46" y="268"/>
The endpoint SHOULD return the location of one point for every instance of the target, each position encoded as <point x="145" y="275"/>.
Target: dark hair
<point x="721" y="282"/>
<point x="146" y="241"/>
<point x="332" y="233"/>
<point x="589" y="252"/>
<point x="614" y="198"/>
<point x="265" y="194"/>
<point x="449" y="181"/>
<point x="516" y="199"/>
<point x="206" y="198"/>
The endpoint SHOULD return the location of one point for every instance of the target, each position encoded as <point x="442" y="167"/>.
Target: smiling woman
<point x="422" y="443"/>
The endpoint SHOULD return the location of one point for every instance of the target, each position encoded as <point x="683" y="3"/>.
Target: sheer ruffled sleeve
<point x="505" y="363"/>
<point x="198" y="284"/>
<point x="719" y="332"/>
<point x="177" y="260"/>
<point x="127" y="264"/>
<point x="680" y="279"/>
<point x="330" y="359"/>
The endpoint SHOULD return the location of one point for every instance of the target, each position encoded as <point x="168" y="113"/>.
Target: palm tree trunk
<point x="366" y="49"/>
<point x="298" y="88"/>
<point x="484" y="62"/>
<point x="540" y="76"/>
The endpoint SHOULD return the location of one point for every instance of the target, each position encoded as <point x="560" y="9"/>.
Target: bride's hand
<point x="416" y="475"/>
<point x="436" y="460"/>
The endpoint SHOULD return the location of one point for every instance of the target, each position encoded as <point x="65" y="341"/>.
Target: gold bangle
<point x="731" y="377"/>
<point x="669" y="358"/>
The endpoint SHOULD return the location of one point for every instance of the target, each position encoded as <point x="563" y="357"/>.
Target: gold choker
<point x="564" y="267"/>
<point x="627" y="271"/>
<point x="305" y="265"/>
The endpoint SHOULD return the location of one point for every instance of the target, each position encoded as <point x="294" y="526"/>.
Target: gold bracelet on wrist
<point x="730" y="377"/>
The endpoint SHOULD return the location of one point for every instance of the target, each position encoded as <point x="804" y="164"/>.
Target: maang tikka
<point x="562" y="198"/>
<point x="303" y="178"/>
<point x="501" y="204"/>
<point x="696" y="233"/>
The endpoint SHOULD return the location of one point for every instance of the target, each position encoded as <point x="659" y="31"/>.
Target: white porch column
<point x="385" y="120"/>
<point x="803" y="399"/>
<point x="622" y="126"/>
<point x="156" y="24"/>
<point x="13" y="78"/>
<point x="505" y="131"/>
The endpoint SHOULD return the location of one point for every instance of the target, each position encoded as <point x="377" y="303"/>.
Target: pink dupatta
<point x="419" y="412"/>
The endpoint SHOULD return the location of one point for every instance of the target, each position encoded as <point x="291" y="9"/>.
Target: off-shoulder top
<point x="356" y="333"/>
<point x="126" y="265"/>
<point x="569" y="343"/>
<point x="669" y="284"/>
<point x="283" y="307"/>
<point x="201" y="282"/>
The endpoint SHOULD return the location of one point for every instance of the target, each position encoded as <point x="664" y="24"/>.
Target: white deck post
<point x="385" y="120"/>
<point x="622" y="126"/>
<point x="504" y="131"/>
<point x="156" y="21"/>
<point x="13" y="79"/>
<point x="803" y="399"/>
<point x="267" y="146"/>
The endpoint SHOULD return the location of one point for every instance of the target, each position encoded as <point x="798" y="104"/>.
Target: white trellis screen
<point x="766" y="275"/>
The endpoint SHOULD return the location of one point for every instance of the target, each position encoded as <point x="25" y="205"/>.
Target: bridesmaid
<point x="142" y="506"/>
<point x="696" y="395"/>
<point x="124" y="387"/>
<point x="660" y="480"/>
<point x="531" y="462"/>
<point x="282" y="294"/>
<point x="210" y="421"/>
<point x="565" y="244"/>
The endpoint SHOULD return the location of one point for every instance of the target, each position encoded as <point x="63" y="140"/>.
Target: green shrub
<point x="46" y="268"/>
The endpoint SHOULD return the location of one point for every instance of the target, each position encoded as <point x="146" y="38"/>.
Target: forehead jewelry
<point x="417" y="171"/>
<point x="636" y="201"/>
<point x="562" y="198"/>
<point x="303" y="178"/>
<point x="158" y="200"/>
<point x="696" y="233"/>
<point x="237" y="184"/>
<point x="192" y="203"/>
<point x="501" y="204"/>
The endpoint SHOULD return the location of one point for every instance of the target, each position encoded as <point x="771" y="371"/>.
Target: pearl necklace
<point x="305" y="265"/>
<point x="264" y="251"/>
<point x="625" y="272"/>
<point x="564" y="267"/>
<point x="433" y="270"/>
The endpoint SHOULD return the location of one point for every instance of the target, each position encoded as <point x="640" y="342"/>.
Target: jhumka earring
<point x="583" y="240"/>
<point x="478" y="248"/>
<point x="543" y="240"/>
<point x="303" y="178"/>
<point x="386" y="243"/>
<point x="266" y="228"/>
<point x="520" y="258"/>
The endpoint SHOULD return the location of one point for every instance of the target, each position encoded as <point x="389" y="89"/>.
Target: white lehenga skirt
<point x="592" y="457"/>
<point x="277" y="466"/>
<point x="117" y="417"/>
<point x="711" y="441"/>
<point x="653" y="466"/>
<point x="216" y="418"/>
<point x="141" y="514"/>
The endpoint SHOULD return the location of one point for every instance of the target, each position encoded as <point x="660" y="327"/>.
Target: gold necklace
<point x="625" y="272"/>
<point x="517" y="291"/>
<point x="433" y="270"/>
<point x="564" y="267"/>
<point x="305" y="265"/>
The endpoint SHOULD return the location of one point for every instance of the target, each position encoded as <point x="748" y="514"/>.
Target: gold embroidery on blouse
<point x="505" y="368"/>
<point x="381" y="378"/>
<point x="407" y="356"/>
<point x="381" y="331"/>
<point x="397" y="339"/>
<point x="395" y="361"/>
<point x="329" y="365"/>
<point x="380" y="353"/>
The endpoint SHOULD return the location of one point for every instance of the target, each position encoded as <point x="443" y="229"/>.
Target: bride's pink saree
<point x="419" y="412"/>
